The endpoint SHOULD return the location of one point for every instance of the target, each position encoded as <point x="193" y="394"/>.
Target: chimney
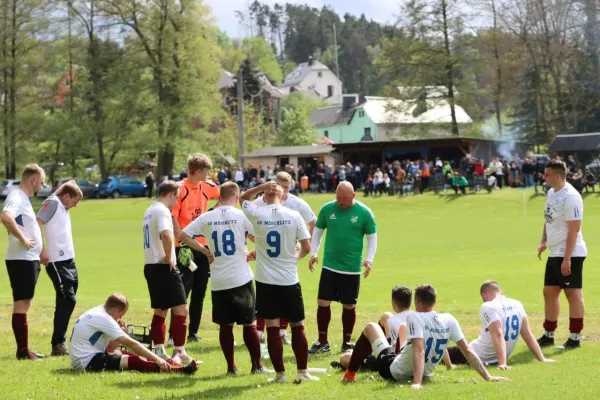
<point x="310" y="61"/>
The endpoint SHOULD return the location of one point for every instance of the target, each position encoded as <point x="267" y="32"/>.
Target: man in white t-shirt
<point x="277" y="229"/>
<point x="428" y="337"/>
<point x="160" y="270"/>
<point x="564" y="268"/>
<point x="58" y="255"/>
<point x="23" y="253"/>
<point x="226" y="229"/>
<point x="98" y="333"/>
<point x="239" y="178"/>
<point x="295" y="203"/>
<point x="503" y="320"/>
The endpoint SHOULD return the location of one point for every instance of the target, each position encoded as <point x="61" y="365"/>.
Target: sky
<point x="378" y="10"/>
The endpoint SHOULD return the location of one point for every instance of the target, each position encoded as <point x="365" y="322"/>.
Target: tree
<point x="296" y="128"/>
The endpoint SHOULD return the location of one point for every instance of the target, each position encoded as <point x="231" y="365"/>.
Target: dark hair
<point x="167" y="187"/>
<point x="558" y="167"/>
<point x="426" y="294"/>
<point x="118" y="301"/>
<point x="489" y="286"/>
<point x="402" y="296"/>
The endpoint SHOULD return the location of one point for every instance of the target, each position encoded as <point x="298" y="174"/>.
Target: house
<point x="294" y="155"/>
<point x="330" y="122"/>
<point x="64" y="88"/>
<point x="314" y="79"/>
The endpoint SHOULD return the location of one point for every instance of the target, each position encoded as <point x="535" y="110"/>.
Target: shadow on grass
<point x="165" y="380"/>
<point x="197" y="349"/>
<point x="214" y="393"/>
<point x="67" y="371"/>
<point x="450" y="197"/>
<point x="536" y="195"/>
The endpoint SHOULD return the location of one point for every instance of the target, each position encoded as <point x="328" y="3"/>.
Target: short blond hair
<point x="283" y="176"/>
<point x="32" y="170"/>
<point x="228" y="190"/>
<point x="198" y="161"/>
<point x="71" y="188"/>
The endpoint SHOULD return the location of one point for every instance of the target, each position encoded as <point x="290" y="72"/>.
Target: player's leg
<point x="294" y="312"/>
<point x="224" y="315"/>
<point x="373" y="340"/>
<point x="327" y="293"/>
<point x="157" y="277"/>
<point x="260" y="327"/>
<point x="200" y="284"/>
<point x="246" y="316"/>
<point x="269" y="307"/>
<point x="552" y="289"/>
<point x="383" y="323"/>
<point x="574" y="295"/>
<point x="283" y="330"/>
<point x="348" y="293"/>
<point x="136" y="363"/>
<point x="275" y="348"/>
<point x="64" y="278"/>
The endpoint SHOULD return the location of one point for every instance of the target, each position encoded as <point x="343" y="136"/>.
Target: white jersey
<point x="394" y="324"/>
<point x="436" y="330"/>
<point x="57" y="227"/>
<point x="562" y="206"/>
<point x="92" y="333"/>
<point x="510" y="313"/>
<point x="276" y="231"/>
<point x="18" y="205"/>
<point x="225" y="229"/>
<point x="293" y="203"/>
<point x="157" y="219"/>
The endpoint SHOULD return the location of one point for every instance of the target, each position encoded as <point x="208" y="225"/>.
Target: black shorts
<point x="165" y="286"/>
<point x="274" y="301"/>
<point x="104" y="362"/>
<point x="384" y="362"/>
<point x="187" y="276"/>
<point x="553" y="276"/>
<point x="342" y="288"/>
<point x="456" y="356"/>
<point x="235" y="305"/>
<point x="23" y="276"/>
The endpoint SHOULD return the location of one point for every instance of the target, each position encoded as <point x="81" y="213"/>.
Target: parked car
<point x="89" y="189"/>
<point x="8" y="186"/>
<point x="45" y="191"/>
<point x="117" y="186"/>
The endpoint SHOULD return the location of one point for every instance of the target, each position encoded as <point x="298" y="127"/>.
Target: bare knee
<point x="551" y="293"/>
<point x="21" y="306"/>
<point x="574" y="294"/>
<point x="295" y="324"/>
<point x="180" y="310"/>
<point x="349" y="306"/>
<point x="384" y="318"/>
<point x="323" y="303"/>
<point x="161" y="313"/>
<point x="272" y="323"/>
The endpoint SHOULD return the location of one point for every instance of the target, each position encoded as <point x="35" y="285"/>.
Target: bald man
<point x="347" y="222"/>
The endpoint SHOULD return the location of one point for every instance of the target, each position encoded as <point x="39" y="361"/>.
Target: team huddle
<point x="184" y="244"/>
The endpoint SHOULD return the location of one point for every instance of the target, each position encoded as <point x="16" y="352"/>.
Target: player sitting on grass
<point x="502" y="321"/>
<point x="97" y="334"/>
<point x="428" y="337"/>
<point x="393" y="325"/>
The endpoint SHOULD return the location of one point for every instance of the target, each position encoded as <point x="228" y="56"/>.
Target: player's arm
<point x="476" y="363"/>
<point x="189" y="234"/>
<point x="8" y="220"/>
<point x="499" y="343"/>
<point x="574" y="216"/>
<point x="166" y="238"/>
<point x="141" y="351"/>
<point x="304" y="249"/>
<point x="402" y="335"/>
<point x="418" y="361"/>
<point x="370" y="230"/>
<point x="531" y="341"/>
<point x="543" y="242"/>
<point x="250" y="194"/>
<point x="44" y="216"/>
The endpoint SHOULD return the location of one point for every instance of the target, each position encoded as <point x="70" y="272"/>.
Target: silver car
<point x="8" y="186"/>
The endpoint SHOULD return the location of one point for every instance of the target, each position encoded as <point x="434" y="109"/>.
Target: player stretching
<point x="23" y="253"/>
<point x="428" y="336"/>
<point x="58" y="255"/>
<point x="346" y="221"/>
<point x="233" y="296"/>
<point x="503" y="320"/>
<point x="564" y="268"/>
<point x="295" y="203"/>
<point x="278" y="292"/>
<point x="164" y="281"/>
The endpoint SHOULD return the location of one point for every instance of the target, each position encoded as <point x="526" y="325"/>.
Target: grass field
<point x="451" y="242"/>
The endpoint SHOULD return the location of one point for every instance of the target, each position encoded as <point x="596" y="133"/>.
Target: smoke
<point x="507" y="145"/>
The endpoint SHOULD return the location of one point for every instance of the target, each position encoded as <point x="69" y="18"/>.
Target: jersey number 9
<point x="274" y="241"/>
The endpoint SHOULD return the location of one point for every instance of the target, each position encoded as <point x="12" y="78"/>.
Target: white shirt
<point x="239" y="176"/>
<point x="562" y="206"/>
<point x="225" y="229"/>
<point x="276" y="231"/>
<point x="18" y="205"/>
<point x="157" y="219"/>
<point x="436" y="330"/>
<point x="293" y="203"/>
<point x="510" y="313"/>
<point x="92" y="333"/>
<point x="491" y="180"/>
<point x="394" y="324"/>
<point x="57" y="227"/>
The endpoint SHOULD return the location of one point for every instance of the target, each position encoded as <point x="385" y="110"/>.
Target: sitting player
<point x="428" y="336"/>
<point x="97" y="334"/>
<point x="393" y="325"/>
<point x="502" y="321"/>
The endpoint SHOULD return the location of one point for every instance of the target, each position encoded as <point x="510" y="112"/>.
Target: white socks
<point x="575" y="336"/>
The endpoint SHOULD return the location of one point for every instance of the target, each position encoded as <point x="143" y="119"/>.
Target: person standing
<point x="23" y="253"/>
<point x="149" y="184"/>
<point x="58" y="255"/>
<point x="564" y="267"/>
<point x="347" y="221"/>
<point x="239" y="178"/>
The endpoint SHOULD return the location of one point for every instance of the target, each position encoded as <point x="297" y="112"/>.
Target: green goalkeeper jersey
<point x="345" y="235"/>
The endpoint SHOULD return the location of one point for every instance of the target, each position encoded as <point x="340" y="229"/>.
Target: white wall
<point x="312" y="81"/>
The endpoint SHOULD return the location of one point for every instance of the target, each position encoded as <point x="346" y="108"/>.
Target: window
<point x="320" y="74"/>
<point x="361" y="113"/>
<point x="330" y="91"/>
<point x="67" y="83"/>
<point x="368" y="132"/>
<point x="327" y="134"/>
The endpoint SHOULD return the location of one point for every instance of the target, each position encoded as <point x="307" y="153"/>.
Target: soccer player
<point x="393" y="325"/>
<point x="428" y="337"/>
<point x="191" y="203"/>
<point x="58" y="255"/>
<point x="97" y="334"/>
<point x="292" y="202"/>
<point x="564" y="267"/>
<point x="503" y="320"/>
<point x="347" y="221"/>
<point x="231" y="284"/>
<point x="278" y="292"/>
<point x="23" y="253"/>
<point x="163" y="278"/>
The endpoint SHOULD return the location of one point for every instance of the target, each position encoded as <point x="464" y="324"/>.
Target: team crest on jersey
<point x="548" y="215"/>
<point x="354" y="219"/>
<point x="332" y="216"/>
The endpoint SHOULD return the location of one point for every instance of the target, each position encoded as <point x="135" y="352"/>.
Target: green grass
<point x="451" y="242"/>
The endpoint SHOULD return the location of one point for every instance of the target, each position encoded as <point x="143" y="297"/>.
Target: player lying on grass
<point x="97" y="334"/>
<point x="503" y="320"/>
<point x="428" y="336"/>
<point x="393" y="325"/>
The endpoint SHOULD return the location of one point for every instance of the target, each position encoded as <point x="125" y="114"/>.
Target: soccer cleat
<point x="183" y="356"/>
<point x="545" y="341"/>
<point x="346" y="347"/>
<point x="190" y="368"/>
<point x="279" y="378"/>
<point x="194" y="339"/>
<point x="174" y="362"/>
<point x="349" y="377"/>
<point x="319" y="348"/>
<point x="59" y="350"/>
<point x="261" y="371"/>
<point x="170" y="342"/>
<point x="285" y="340"/>
<point x="232" y="372"/>
<point x="337" y="365"/>
<point x="570" y="344"/>
<point x="261" y="336"/>
<point x="160" y="351"/>
<point x="26" y="354"/>
<point x="306" y="377"/>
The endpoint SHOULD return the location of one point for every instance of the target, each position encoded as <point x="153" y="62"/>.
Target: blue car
<point x="117" y="186"/>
